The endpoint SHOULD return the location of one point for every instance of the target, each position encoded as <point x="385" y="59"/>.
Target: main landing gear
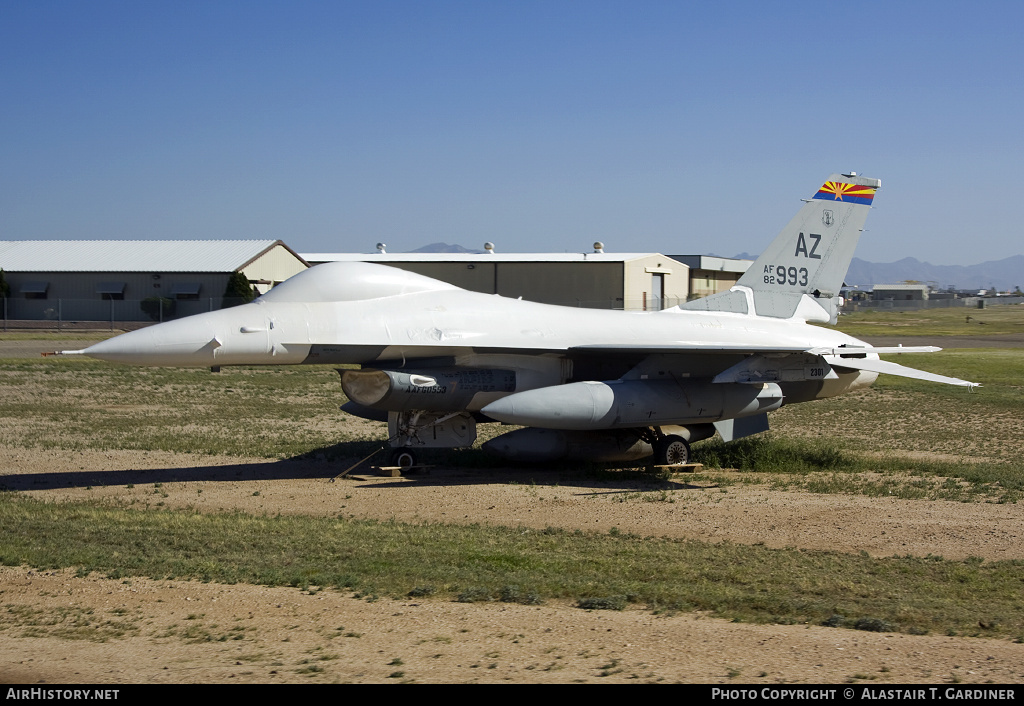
<point x="403" y="458"/>
<point x="414" y="430"/>
<point x="669" y="450"/>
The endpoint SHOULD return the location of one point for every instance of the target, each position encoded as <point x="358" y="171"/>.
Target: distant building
<point x="854" y="294"/>
<point x="595" y="280"/>
<point x="900" y="292"/>
<point x="710" y="274"/>
<point x="97" y="280"/>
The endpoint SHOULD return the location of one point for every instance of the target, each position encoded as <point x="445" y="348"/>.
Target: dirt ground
<point x="190" y="632"/>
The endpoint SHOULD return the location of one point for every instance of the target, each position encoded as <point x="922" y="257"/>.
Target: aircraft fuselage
<point x="468" y="330"/>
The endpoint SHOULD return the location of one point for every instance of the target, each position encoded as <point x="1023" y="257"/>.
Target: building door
<point x="657" y="291"/>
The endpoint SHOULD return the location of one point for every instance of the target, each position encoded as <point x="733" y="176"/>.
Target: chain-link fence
<point x="96" y="313"/>
<point x="915" y="305"/>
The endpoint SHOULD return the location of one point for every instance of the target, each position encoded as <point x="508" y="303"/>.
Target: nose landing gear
<point x="671" y="451"/>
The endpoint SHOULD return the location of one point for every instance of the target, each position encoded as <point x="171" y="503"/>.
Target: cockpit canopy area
<point x="351" y="281"/>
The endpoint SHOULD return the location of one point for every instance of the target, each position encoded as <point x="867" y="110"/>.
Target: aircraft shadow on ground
<point x="326" y="463"/>
<point x="282" y="470"/>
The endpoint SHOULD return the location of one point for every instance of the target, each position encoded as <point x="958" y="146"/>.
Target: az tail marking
<point x="801" y="246"/>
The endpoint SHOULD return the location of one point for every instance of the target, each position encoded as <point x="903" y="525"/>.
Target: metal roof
<point x="476" y="257"/>
<point x="902" y="287"/>
<point x="130" y="255"/>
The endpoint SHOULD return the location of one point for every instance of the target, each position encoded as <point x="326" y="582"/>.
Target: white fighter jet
<point x="435" y="360"/>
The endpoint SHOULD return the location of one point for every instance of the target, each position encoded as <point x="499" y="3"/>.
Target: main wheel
<point x="672" y="451"/>
<point x="403" y="458"/>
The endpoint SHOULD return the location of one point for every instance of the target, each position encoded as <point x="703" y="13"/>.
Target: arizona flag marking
<point x="848" y="193"/>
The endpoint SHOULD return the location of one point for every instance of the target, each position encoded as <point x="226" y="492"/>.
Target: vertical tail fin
<point x="801" y="272"/>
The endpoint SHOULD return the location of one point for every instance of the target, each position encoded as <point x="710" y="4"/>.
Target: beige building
<point x="595" y="280"/>
<point x="710" y="274"/>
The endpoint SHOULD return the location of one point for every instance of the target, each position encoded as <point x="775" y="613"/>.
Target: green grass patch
<point x="598" y="571"/>
<point x="825" y="466"/>
<point x="75" y="404"/>
<point x="999" y="370"/>
<point x="769" y="454"/>
<point x="959" y="321"/>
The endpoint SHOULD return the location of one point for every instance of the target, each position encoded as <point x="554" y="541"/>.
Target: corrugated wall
<point x="594" y="285"/>
<point x="138" y="285"/>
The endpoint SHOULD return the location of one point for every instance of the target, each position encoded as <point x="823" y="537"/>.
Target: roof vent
<point x="489" y="247"/>
<point x="382" y="248"/>
<point x="599" y="246"/>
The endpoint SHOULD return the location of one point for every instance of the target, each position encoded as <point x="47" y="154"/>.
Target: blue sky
<point x="678" y="127"/>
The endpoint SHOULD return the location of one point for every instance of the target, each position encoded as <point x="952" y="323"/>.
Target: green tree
<point x="158" y="308"/>
<point x="238" y="291"/>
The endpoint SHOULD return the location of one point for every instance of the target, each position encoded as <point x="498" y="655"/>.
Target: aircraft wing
<point x="889" y="368"/>
<point x="734" y="348"/>
<point x="685" y="348"/>
<point x="851" y="358"/>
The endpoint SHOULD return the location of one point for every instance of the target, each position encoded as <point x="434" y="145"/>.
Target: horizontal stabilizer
<point x="881" y="350"/>
<point x="751" y="348"/>
<point x="884" y="366"/>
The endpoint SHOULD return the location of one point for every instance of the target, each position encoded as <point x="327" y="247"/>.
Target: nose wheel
<point x="403" y="458"/>
<point x="671" y="451"/>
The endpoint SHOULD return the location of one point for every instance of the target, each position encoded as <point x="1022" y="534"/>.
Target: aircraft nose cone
<point x="172" y="343"/>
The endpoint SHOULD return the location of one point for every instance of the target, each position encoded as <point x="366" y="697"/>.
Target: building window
<point x="34" y="290"/>
<point x="110" y="290"/>
<point x="185" y="291"/>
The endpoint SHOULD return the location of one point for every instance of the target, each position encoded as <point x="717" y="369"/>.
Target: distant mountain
<point x="445" y="247"/>
<point x="1002" y="275"/>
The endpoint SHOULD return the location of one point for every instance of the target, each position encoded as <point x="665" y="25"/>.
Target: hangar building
<point x="900" y="292"/>
<point x="595" y="280"/>
<point x="101" y="280"/>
